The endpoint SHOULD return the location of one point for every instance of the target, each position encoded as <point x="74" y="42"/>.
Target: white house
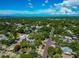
<point x="74" y="37"/>
<point x="66" y="38"/>
<point x="66" y="50"/>
<point x="38" y="27"/>
<point x="69" y="31"/>
<point x="3" y="37"/>
<point x="23" y="37"/>
<point x="19" y="25"/>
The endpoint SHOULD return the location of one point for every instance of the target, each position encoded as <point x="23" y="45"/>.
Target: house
<point x="3" y="37"/>
<point x="74" y="37"/>
<point x="7" y="23"/>
<point x="67" y="56"/>
<point x="53" y="44"/>
<point x="48" y="25"/>
<point x="66" y="50"/>
<point x="45" y="40"/>
<point x="25" y="37"/>
<point x="10" y="48"/>
<point x="65" y="28"/>
<point x="36" y="30"/>
<point x="19" y="25"/>
<point x="22" y="36"/>
<point x="40" y="50"/>
<point x="2" y="46"/>
<point x="33" y="26"/>
<point x="31" y="40"/>
<point x="69" y="31"/>
<point x="67" y="39"/>
<point x="38" y="27"/>
<point x="74" y="26"/>
<point x="10" y="54"/>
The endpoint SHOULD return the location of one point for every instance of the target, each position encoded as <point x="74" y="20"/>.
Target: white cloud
<point x="60" y="8"/>
<point x="68" y="3"/>
<point x="75" y="7"/>
<point x="29" y="3"/>
<point x="46" y="1"/>
<point x="45" y="11"/>
<point x="9" y="12"/>
<point x="66" y="7"/>
<point x="65" y="10"/>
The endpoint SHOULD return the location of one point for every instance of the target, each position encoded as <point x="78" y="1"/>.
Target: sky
<point x="39" y="7"/>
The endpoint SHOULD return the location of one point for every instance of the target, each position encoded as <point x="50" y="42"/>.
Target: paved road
<point x="48" y="43"/>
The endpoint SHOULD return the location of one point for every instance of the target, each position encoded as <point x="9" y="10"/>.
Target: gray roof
<point x="66" y="49"/>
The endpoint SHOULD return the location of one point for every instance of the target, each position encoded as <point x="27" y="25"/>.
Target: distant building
<point x="67" y="39"/>
<point x="10" y="54"/>
<point x="3" y="37"/>
<point x="2" y="46"/>
<point x="19" y="25"/>
<point x="74" y="37"/>
<point x="48" y="25"/>
<point x="38" y="27"/>
<point x="22" y="36"/>
<point x="7" y="23"/>
<point x="10" y="48"/>
<point x="70" y="32"/>
<point x="66" y="50"/>
<point x="67" y="56"/>
<point x="40" y="50"/>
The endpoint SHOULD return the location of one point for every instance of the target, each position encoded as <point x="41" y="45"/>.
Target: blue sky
<point x="39" y="7"/>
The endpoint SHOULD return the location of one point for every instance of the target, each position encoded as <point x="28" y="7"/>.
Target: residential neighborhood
<point x="35" y="38"/>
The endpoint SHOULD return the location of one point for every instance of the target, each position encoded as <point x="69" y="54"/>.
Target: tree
<point x="16" y="48"/>
<point x="51" y="51"/>
<point x="38" y="42"/>
<point x="54" y="52"/>
<point x="24" y="50"/>
<point x="74" y="46"/>
<point x="5" y="56"/>
<point x="4" y="42"/>
<point x="23" y="55"/>
<point x="32" y="35"/>
<point x="76" y="54"/>
<point x="29" y="55"/>
<point x="24" y="44"/>
<point x="57" y="56"/>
